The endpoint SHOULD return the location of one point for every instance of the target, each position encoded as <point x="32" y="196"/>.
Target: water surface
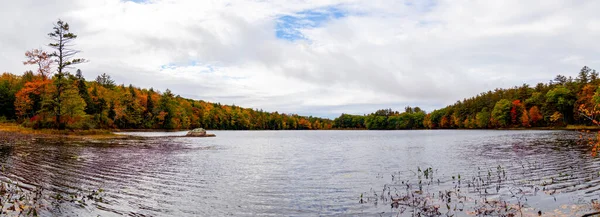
<point x="295" y="173"/>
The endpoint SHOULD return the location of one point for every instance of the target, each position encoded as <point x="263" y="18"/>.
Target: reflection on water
<point x="293" y="172"/>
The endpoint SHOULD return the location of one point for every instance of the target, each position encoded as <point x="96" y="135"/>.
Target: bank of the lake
<point x="16" y="129"/>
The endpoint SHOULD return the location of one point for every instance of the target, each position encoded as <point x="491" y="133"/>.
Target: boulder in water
<point x="199" y="132"/>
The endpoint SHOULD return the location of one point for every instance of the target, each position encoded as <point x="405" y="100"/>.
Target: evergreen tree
<point x="105" y="80"/>
<point x="62" y="39"/>
<point x="85" y="95"/>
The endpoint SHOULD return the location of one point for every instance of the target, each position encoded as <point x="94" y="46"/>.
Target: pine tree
<point x="62" y="38"/>
<point x="83" y="92"/>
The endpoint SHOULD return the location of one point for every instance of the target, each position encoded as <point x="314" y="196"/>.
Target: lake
<point x="310" y="173"/>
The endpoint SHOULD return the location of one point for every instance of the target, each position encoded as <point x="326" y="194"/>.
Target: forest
<point x="53" y="96"/>
<point x="561" y="102"/>
<point x="31" y="100"/>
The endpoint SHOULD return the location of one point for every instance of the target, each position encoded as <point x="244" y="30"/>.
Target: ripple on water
<point x="294" y="173"/>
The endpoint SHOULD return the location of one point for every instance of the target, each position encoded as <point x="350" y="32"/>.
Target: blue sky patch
<point x="421" y="5"/>
<point x="209" y="68"/>
<point x="289" y="26"/>
<point x="138" y="1"/>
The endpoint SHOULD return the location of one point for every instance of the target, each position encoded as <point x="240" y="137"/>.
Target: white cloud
<point x="378" y="54"/>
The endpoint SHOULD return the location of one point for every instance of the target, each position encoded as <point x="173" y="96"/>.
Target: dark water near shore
<point x="297" y="173"/>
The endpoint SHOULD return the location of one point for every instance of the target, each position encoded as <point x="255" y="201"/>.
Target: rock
<point x="198" y="132"/>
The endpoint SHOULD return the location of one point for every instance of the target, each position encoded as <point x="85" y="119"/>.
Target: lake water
<point x="306" y="173"/>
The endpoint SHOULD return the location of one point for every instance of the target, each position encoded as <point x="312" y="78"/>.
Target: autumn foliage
<point x="534" y="115"/>
<point x="553" y="104"/>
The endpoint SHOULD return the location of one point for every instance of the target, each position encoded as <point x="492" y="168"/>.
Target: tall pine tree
<point x="64" y="56"/>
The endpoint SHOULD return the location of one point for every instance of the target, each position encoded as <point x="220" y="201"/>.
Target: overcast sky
<point x="319" y="58"/>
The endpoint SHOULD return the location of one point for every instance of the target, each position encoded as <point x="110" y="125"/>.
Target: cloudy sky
<point x="319" y="58"/>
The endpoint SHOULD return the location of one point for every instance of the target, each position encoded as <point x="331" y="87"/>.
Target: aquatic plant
<point x="489" y="192"/>
<point x="18" y="200"/>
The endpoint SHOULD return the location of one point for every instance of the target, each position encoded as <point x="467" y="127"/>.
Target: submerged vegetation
<point x="18" y="200"/>
<point x="491" y="192"/>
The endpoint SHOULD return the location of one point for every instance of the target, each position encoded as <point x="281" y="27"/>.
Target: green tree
<point x="166" y="105"/>
<point x="71" y="108"/>
<point x="105" y="81"/>
<point x="584" y="74"/>
<point x="132" y="117"/>
<point x="112" y="114"/>
<point x="72" y="105"/>
<point x="483" y="118"/>
<point x="562" y="99"/>
<point x="501" y="113"/>
<point x="149" y="111"/>
<point x="83" y="92"/>
<point x="8" y="89"/>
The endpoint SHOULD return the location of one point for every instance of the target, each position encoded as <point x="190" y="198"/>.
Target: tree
<point x="131" y="117"/>
<point x="62" y="38"/>
<point x="525" y="118"/>
<point x="105" y="81"/>
<point x="149" y="111"/>
<point x="445" y="122"/>
<point x="516" y="112"/>
<point x="7" y="100"/>
<point x="9" y="85"/>
<point x="112" y="114"/>
<point x="583" y="76"/>
<point x="593" y="76"/>
<point x="556" y="116"/>
<point x="560" y="79"/>
<point x="84" y="94"/>
<point x="73" y="106"/>
<point x="534" y="115"/>
<point x="40" y="58"/>
<point x="562" y="98"/>
<point x="501" y="113"/>
<point x="166" y="105"/>
<point x="29" y="99"/>
<point x="483" y="118"/>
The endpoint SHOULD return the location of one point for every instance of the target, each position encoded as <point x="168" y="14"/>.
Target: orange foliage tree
<point x="534" y="115"/>
<point x="30" y="95"/>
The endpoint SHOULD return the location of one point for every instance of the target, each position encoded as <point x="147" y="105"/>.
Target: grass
<point x="77" y="134"/>
<point x="581" y="127"/>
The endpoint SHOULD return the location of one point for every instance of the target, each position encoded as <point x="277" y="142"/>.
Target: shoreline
<point x="111" y="133"/>
<point x="48" y="133"/>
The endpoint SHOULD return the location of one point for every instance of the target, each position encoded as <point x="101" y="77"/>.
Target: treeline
<point x="53" y="97"/>
<point x="95" y="104"/>
<point x="562" y="101"/>
<point x="384" y="119"/>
